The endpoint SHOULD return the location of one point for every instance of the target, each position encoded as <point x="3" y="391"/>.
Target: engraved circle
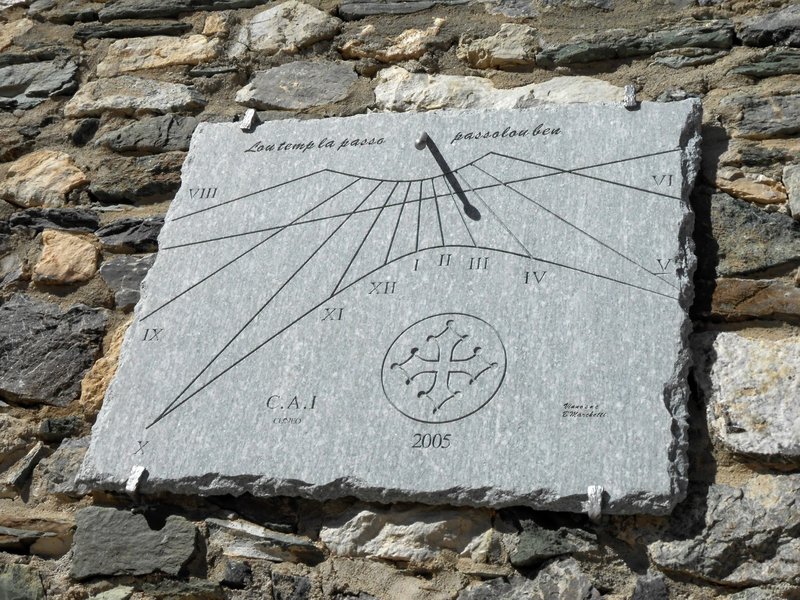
<point x="444" y="368"/>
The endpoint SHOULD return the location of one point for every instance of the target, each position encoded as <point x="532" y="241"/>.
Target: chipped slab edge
<point x="675" y="396"/>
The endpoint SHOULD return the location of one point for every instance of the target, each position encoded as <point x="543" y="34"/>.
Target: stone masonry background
<point x="98" y="101"/>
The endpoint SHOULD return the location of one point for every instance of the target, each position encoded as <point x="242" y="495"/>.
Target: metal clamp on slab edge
<point x="594" y="504"/>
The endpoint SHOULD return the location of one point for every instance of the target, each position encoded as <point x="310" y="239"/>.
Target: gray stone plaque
<point x="463" y="307"/>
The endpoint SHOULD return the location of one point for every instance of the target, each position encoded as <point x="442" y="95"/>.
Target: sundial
<point x="459" y="307"/>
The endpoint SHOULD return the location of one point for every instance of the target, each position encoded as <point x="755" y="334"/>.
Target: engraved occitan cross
<point x="444" y="366"/>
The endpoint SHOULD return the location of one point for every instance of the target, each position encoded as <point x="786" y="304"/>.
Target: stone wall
<point x="98" y="101"/>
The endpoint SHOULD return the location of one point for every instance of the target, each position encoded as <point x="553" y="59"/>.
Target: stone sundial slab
<point x="461" y="307"/>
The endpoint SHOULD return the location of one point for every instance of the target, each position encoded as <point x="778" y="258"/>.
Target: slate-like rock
<point x="35" y="532"/>
<point x="55" y="429"/>
<point x="298" y="85"/>
<point x="69" y="219"/>
<point x="742" y="299"/>
<point x="14" y="479"/>
<point x="44" y="352"/>
<point x="136" y="54"/>
<point x="535" y="544"/>
<point x="67" y="258"/>
<point x="84" y="131"/>
<point x="136" y="180"/>
<point x="747" y="536"/>
<point x="513" y="46"/>
<point x="237" y="574"/>
<point x="41" y="178"/>
<point x="124" y="275"/>
<point x="10" y="31"/>
<point x="757" y="118"/>
<point x="157" y="9"/>
<point x="559" y="580"/>
<point x="749" y="239"/>
<point x="247" y="540"/>
<point x="287" y="27"/>
<point x="127" y="95"/>
<point x="753" y="188"/>
<point x="623" y="43"/>
<point x="118" y="542"/>
<point x="120" y="30"/>
<point x="777" y="61"/>
<point x="751" y="391"/>
<point x="358" y="9"/>
<point x="679" y="58"/>
<point x="780" y="28"/>
<point x="29" y="84"/>
<point x="64" y="11"/>
<point x="20" y="582"/>
<point x="58" y="472"/>
<point x="129" y="236"/>
<point x="193" y="589"/>
<point x="152" y="135"/>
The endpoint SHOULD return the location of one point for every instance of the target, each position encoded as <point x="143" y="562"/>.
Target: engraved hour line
<point x="175" y="404"/>
<point x="397" y="224"/>
<point x="438" y="214"/>
<point x="419" y="213"/>
<point x="361" y="245"/>
<point x="586" y="233"/>
<point x="575" y="172"/>
<point x="233" y="260"/>
<point x="458" y="210"/>
<point x="271" y="298"/>
<point x="556" y="171"/>
<point x="495" y="215"/>
<point x="178" y="402"/>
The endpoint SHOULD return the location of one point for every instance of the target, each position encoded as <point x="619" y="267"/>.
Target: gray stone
<point x="131" y="235"/>
<point x="791" y="180"/>
<point x="772" y="239"/>
<point x="55" y="429"/>
<point x="537" y="544"/>
<point x="678" y="58"/>
<point x="237" y="574"/>
<point x="20" y="582"/>
<point x="559" y="580"/>
<point x="148" y="136"/>
<point x="778" y="28"/>
<point x="760" y="118"/>
<point x="84" y="131"/>
<point x="358" y="9"/>
<point x="622" y="43"/>
<point x="29" y="84"/>
<point x="650" y="587"/>
<point x="511" y="8"/>
<point x="290" y="587"/>
<point x="44" y="352"/>
<point x="124" y="275"/>
<point x="773" y="592"/>
<point x="777" y="61"/>
<point x="249" y="255"/>
<point x="126" y="95"/>
<point x="248" y="540"/>
<point x="129" y="30"/>
<point x="64" y="11"/>
<point x="118" y="542"/>
<point x="58" y="472"/>
<point x="69" y="219"/>
<point x="298" y="85"/>
<point x="193" y="589"/>
<point x="747" y="536"/>
<point x="136" y="179"/>
<point x="157" y="9"/>
<point x="750" y="390"/>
